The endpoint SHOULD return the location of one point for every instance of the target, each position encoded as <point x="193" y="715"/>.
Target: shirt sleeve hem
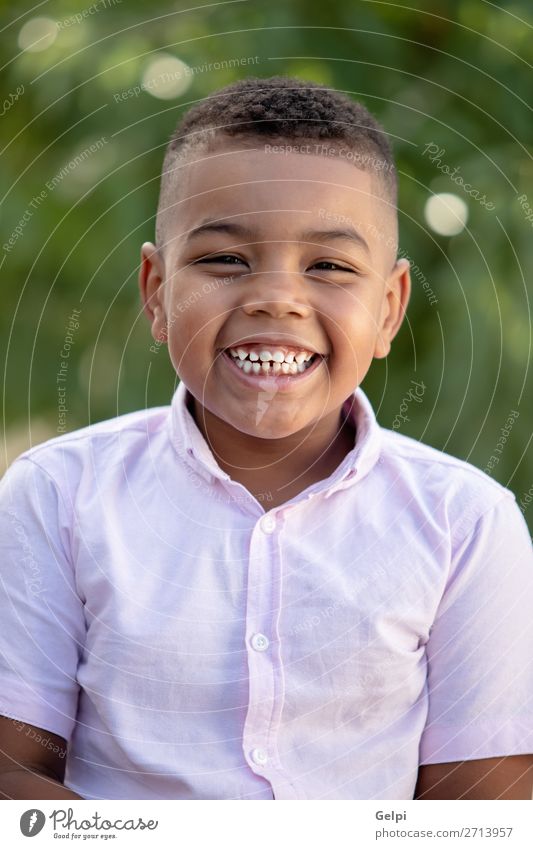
<point x="445" y="744"/>
<point x="39" y="716"/>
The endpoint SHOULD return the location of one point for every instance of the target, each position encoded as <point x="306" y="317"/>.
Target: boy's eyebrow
<point x="233" y="229"/>
<point x="346" y="234"/>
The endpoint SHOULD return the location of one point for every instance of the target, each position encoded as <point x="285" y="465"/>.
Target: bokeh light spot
<point x="37" y="34"/>
<point x="446" y="214"/>
<point x="166" y="77"/>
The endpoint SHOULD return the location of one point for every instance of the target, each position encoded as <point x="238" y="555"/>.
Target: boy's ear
<point x="395" y="300"/>
<point x="151" y="286"/>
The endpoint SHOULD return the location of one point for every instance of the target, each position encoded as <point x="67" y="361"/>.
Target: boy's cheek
<point x="190" y="342"/>
<point x="351" y="331"/>
<point x="354" y="356"/>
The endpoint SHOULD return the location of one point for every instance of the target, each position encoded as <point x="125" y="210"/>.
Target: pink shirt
<point x="190" y="643"/>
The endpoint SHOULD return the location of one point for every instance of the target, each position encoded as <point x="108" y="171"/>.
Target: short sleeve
<point x="42" y="628"/>
<point x="480" y="647"/>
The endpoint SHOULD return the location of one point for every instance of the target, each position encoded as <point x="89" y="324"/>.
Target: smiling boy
<point x="294" y="289"/>
<point x="259" y="593"/>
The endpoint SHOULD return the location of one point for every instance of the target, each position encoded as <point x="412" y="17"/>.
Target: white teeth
<point x="267" y="356"/>
<point x="271" y="362"/>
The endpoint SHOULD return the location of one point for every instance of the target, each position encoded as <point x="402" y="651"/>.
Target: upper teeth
<point x="271" y="360"/>
<point x="276" y="356"/>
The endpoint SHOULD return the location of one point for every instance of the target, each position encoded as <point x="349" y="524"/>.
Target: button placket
<point x="264" y="662"/>
<point x="260" y="614"/>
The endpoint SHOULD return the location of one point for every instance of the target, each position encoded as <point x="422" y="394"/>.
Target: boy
<point x="259" y="593"/>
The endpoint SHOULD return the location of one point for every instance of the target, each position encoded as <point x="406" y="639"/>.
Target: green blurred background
<point x="460" y="79"/>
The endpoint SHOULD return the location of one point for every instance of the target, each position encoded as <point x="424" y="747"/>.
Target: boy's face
<point x="274" y="276"/>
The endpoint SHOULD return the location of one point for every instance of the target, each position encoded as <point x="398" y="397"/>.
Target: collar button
<point x="268" y="524"/>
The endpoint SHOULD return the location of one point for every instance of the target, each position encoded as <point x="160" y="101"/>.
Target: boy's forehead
<point x="276" y="190"/>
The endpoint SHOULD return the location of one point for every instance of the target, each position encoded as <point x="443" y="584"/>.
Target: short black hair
<point x="280" y="109"/>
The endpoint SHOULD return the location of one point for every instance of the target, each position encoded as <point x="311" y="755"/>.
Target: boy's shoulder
<point x="465" y="491"/>
<point x="110" y="440"/>
<point x="406" y="447"/>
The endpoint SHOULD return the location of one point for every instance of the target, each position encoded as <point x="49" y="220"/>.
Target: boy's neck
<point x="276" y="470"/>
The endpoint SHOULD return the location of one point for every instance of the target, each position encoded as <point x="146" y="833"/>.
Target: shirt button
<point x="268" y="524"/>
<point x="259" y="756"/>
<point x="260" y="642"/>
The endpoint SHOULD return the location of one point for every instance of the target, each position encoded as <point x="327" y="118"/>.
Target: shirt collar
<point x="190" y="445"/>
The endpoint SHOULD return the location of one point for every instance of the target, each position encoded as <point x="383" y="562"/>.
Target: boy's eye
<point x="222" y="259"/>
<point x="332" y="266"/>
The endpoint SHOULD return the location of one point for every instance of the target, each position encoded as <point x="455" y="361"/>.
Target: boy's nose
<point x="276" y="293"/>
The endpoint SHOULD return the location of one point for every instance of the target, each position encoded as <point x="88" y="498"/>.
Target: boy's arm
<point x="478" y="738"/>
<point x="42" y="634"/>
<point x="32" y="762"/>
<point x="488" y="778"/>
